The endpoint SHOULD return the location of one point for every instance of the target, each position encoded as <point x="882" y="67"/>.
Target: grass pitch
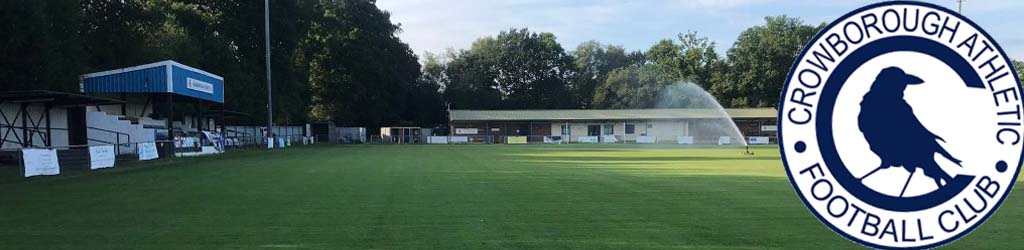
<point x="436" y="197"/>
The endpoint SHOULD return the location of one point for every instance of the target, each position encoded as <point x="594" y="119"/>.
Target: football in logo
<point x="900" y="125"/>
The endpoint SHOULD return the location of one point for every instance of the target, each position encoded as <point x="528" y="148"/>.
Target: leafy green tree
<point x="699" y="60"/>
<point x="516" y="69"/>
<point x="760" y="60"/>
<point x="668" y="57"/>
<point x="115" y="33"/>
<point x="694" y="59"/>
<point x="333" y="60"/>
<point x="470" y="75"/>
<point x="634" y="86"/>
<point x="40" y="48"/>
<point x="1019" y="66"/>
<point x="361" y="74"/>
<point x="593" y="62"/>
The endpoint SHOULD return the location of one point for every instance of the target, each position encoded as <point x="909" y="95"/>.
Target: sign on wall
<point x="588" y="139"/>
<point x="101" y="156"/>
<point x="769" y="128"/>
<point x="437" y="140"/>
<point x="467" y="131"/>
<point x="646" y="139"/>
<point x="759" y="140"/>
<point x="724" y="140"/>
<point x="40" y="162"/>
<point x="517" y="140"/>
<point x="458" y="139"/>
<point x="198" y="85"/>
<point x="684" y="139"/>
<point x="147" y="151"/>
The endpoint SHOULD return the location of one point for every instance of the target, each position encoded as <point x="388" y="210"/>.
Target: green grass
<point x="436" y="197"/>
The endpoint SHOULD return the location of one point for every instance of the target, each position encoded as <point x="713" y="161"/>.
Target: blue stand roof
<point x="159" y="77"/>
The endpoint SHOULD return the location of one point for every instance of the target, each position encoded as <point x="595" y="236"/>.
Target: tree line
<point x="332" y="60"/>
<point x="342" y="61"/>
<point x="521" y="69"/>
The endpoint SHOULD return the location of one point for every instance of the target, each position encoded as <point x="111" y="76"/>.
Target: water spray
<point x="716" y="121"/>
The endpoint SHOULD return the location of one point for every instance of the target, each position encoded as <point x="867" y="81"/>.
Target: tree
<point x="516" y="69"/>
<point x="694" y="59"/>
<point x="360" y="73"/>
<point x="1019" y="66"/>
<point x="41" y="49"/>
<point x="115" y="33"/>
<point x="471" y="75"/>
<point x="760" y="60"/>
<point x="593" y="62"/>
<point x="634" y="86"/>
<point x="667" y="55"/>
<point x="427" y="101"/>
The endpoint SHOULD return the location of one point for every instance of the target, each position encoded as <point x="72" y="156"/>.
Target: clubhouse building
<point x="683" y="126"/>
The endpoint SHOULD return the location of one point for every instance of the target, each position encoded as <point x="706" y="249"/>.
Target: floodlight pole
<point x="270" y="103"/>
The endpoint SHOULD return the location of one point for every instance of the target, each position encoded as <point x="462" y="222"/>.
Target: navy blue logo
<point x="900" y="126"/>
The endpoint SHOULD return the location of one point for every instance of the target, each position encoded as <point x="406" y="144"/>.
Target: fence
<point x="603" y="139"/>
<point x="252" y="136"/>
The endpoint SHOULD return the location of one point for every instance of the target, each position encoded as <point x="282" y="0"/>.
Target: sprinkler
<point x="747" y="151"/>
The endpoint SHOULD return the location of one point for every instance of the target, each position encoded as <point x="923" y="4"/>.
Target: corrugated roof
<point x="604" y="114"/>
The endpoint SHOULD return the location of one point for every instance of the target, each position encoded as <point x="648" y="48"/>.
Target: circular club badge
<point x="900" y="125"/>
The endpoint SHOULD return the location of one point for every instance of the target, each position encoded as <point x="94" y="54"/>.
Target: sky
<point x="436" y="25"/>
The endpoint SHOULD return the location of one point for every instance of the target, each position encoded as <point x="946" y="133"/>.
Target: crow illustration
<point x="893" y="131"/>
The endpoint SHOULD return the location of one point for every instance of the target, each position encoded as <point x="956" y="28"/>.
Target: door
<point x="593" y="130"/>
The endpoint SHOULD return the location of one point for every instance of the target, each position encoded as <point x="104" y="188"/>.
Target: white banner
<point x="270" y="142"/>
<point x="684" y="139"/>
<point x="552" y="140"/>
<point x="280" y="142"/>
<point x="458" y="139"/>
<point x="609" y="139"/>
<point x="101" y="156"/>
<point x="588" y="139"/>
<point x="437" y="140"/>
<point x="216" y="139"/>
<point x="40" y="162"/>
<point x="724" y="140"/>
<point x="759" y="140"/>
<point x="147" y="151"/>
<point x="646" y="139"/>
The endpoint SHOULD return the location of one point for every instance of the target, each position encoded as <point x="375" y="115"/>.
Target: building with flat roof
<point x="700" y="126"/>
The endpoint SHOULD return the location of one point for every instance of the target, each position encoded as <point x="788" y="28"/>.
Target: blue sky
<point x="435" y="25"/>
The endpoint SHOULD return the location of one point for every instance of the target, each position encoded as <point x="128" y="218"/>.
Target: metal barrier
<point x="117" y="138"/>
<point x="554" y="139"/>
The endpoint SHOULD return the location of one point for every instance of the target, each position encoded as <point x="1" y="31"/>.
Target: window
<point x="650" y="125"/>
<point x="566" y="130"/>
<point x="609" y="129"/>
<point x="630" y="129"/>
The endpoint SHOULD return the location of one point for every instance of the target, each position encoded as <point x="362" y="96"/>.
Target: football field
<point x="437" y="197"/>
